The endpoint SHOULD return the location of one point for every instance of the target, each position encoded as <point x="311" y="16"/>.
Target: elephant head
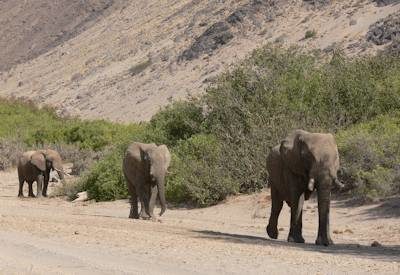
<point x="37" y="159"/>
<point x="314" y="158"/>
<point x="53" y="161"/>
<point x="157" y="160"/>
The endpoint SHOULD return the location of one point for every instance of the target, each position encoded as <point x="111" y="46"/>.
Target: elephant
<point x="145" y="167"/>
<point x="303" y="162"/>
<point x="36" y="166"/>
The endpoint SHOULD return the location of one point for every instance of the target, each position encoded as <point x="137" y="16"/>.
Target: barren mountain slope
<point x="30" y="28"/>
<point x="143" y="54"/>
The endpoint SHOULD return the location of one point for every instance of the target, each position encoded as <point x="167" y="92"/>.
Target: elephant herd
<point x="301" y="163"/>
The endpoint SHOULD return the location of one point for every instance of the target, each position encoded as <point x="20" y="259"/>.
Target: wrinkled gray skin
<point x="36" y="166"/>
<point x="301" y="163"/>
<point x="145" y="167"/>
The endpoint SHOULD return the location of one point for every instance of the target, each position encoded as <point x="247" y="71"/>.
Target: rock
<point x="336" y="231"/>
<point x="385" y="30"/>
<point x="237" y="16"/>
<point x="82" y="196"/>
<point x="215" y="36"/>
<point x="347" y="230"/>
<point x="382" y="3"/>
<point x="376" y="244"/>
<point x="317" y="3"/>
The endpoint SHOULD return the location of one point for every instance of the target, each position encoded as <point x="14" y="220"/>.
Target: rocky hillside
<point x="123" y="60"/>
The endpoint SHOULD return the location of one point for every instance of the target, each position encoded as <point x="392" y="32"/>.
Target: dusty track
<point x="48" y="236"/>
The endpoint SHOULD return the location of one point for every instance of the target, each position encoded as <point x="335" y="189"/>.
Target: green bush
<point x="370" y="157"/>
<point x="197" y="176"/>
<point x="310" y="34"/>
<point x="176" y="122"/>
<point x="40" y="126"/>
<point x="255" y="105"/>
<point x="105" y="180"/>
<point x="220" y="141"/>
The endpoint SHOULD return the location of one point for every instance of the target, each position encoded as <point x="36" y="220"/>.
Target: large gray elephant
<point x="36" y="166"/>
<point x="301" y="163"/>
<point x="145" y="167"/>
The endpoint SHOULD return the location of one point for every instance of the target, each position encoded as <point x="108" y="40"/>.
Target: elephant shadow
<point x="384" y="253"/>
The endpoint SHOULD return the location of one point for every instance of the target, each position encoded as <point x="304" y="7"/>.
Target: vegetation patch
<point x="219" y="142"/>
<point x="370" y="157"/>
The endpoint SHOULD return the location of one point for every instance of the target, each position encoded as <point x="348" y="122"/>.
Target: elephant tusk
<point x="339" y="184"/>
<point x="311" y="184"/>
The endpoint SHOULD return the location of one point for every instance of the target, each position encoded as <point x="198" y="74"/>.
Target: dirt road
<point x="53" y="236"/>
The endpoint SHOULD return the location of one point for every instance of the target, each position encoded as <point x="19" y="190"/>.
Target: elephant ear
<point x="293" y="151"/>
<point x="55" y="159"/>
<point x="167" y="155"/>
<point x="39" y="161"/>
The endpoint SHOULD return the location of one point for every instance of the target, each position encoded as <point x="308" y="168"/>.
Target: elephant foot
<point x="324" y="241"/>
<point x="272" y="232"/>
<point x="44" y="195"/>
<point x="20" y="195"/>
<point x="32" y="195"/>
<point x="295" y="238"/>
<point x="136" y="217"/>
<point x="143" y="215"/>
<point x="134" y="214"/>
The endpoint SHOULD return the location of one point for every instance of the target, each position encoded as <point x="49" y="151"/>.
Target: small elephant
<point x="36" y="166"/>
<point x="301" y="163"/>
<point x="145" y="167"/>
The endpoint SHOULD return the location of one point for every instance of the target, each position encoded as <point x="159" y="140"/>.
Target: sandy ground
<point x="53" y="236"/>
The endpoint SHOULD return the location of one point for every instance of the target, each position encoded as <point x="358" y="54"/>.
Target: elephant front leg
<point x="46" y="184"/>
<point x="30" y="192"/>
<point x="272" y="228"/>
<point x="144" y="205"/>
<point x="153" y="197"/>
<point x="296" y="219"/>
<point x="39" y="182"/>
<point x="324" y="237"/>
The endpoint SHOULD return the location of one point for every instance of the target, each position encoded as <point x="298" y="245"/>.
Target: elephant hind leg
<point x="134" y="213"/>
<point x="272" y="228"/>
<point x="21" y="187"/>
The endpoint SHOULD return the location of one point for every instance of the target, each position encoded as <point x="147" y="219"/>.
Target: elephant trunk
<point x="161" y="196"/>
<point x="324" y="193"/>
<point x="60" y="174"/>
